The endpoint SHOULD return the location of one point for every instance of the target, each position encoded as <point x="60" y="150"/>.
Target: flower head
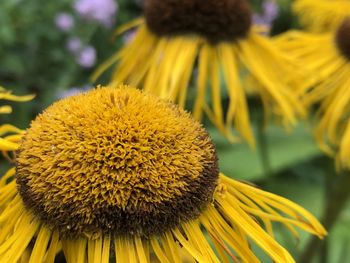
<point x="131" y="180"/>
<point x="321" y="15"/>
<point x="86" y="56"/>
<point x="64" y="21"/>
<point x="270" y="12"/>
<point x="118" y="170"/>
<point x="74" y="45"/>
<point x="270" y="9"/>
<point x="177" y="38"/>
<point x="328" y="55"/>
<point x="102" y="11"/>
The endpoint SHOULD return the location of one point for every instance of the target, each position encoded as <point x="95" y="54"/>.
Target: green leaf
<point x="285" y="150"/>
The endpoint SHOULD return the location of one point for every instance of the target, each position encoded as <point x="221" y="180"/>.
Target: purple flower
<point x="73" y="91"/>
<point x="260" y="20"/>
<point x="74" y="45"/>
<point x="64" y="21"/>
<point x="129" y="36"/>
<point x="68" y="93"/>
<point x="86" y="57"/>
<point x="102" y="11"/>
<point x="270" y="12"/>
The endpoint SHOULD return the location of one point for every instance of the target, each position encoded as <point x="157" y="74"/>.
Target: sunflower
<point x="8" y="143"/>
<point x="98" y="177"/>
<point x="328" y="54"/>
<point x="321" y="15"/>
<point x="215" y="42"/>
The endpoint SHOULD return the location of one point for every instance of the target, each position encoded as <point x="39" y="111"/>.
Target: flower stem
<point x="263" y="145"/>
<point x="328" y="182"/>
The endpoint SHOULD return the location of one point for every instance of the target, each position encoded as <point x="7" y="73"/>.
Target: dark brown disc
<point x="116" y="160"/>
<point x="217" y="20"/>
<point x="343" y="38"/>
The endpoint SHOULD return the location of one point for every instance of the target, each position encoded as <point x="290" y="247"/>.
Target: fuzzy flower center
<point x="343" y="38"/>
<point x="116" y="160"/>
<point x="217" y="20"/>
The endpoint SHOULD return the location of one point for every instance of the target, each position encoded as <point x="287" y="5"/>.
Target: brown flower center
<point x="217" y="20"/>
<point x="343" y="38"/>
<point x="116" y="160"/>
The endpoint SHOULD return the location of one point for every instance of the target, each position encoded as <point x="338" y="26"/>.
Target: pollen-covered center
<point x="116" y="160"/>
<point x="343" y="38"/>
<point x="217" y="20"/>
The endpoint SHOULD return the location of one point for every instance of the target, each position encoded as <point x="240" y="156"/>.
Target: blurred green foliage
<point x="33" y="53"/>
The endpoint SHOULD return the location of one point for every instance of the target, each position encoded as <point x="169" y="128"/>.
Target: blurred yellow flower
<point x="117" y="171"/>
<point x="328" y="55"/>
<point x="321" y="15"/>
<point x="217" y="49"/>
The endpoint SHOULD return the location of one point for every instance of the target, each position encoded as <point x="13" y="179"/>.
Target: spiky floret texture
<point x="321" y="15"/>
<point x="238" y="214"/>
<point x="116" y="160"/>
<point x="224" y="20"/>
<point x="327" y="55"/>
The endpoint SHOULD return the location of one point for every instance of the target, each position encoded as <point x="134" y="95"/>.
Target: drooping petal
<point x="321" y="15"/>
<point x="321" y="54"/>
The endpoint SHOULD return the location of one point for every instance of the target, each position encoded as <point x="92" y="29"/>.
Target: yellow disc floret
<point x="117" y="160"/>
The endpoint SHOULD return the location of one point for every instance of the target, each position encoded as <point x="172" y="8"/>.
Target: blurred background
<point x="51" y="49"/>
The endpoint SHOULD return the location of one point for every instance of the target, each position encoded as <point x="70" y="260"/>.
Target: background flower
<point x="64" y="21"/>
<point x="86" y="57"/>
<point x="269" y="13"/>
<point x="73" y="44"/>
<point x="72" y="91"/>
<point x="102" y="11"/>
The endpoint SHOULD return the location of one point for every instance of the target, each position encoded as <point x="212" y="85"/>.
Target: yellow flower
<point x="216" y="42"/>
<point x="115" y="173"/>
<point x="8" y="143"/>
<point x="321" y="15"/>
<point x="329" y="56"/>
